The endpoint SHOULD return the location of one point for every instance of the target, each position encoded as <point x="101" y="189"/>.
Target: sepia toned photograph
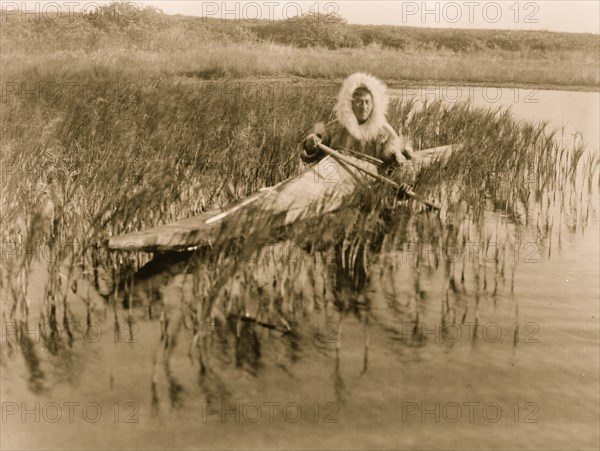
<point x="300" y="225"/>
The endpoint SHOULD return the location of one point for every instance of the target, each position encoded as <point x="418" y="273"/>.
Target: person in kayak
<point x="360" y="125"/>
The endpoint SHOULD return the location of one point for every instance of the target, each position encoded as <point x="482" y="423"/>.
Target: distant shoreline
<point x="539" y="86"/>
<point x="402" y="83"/>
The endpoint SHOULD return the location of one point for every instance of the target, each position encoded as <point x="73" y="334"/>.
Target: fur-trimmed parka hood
<point x="343" y="109"/>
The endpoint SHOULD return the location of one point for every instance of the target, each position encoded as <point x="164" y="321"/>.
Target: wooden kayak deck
<point x="319" y="190"/>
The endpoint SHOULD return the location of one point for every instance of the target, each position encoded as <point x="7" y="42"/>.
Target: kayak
<point x="320" y="189"/>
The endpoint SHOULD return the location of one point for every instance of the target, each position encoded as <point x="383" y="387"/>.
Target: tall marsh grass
<point x="130" y="152"/>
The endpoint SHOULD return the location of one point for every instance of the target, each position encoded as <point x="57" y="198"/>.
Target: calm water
<point x="536" y="390"/>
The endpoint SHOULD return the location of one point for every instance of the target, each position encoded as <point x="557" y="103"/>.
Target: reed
<point x="84" y="167"/>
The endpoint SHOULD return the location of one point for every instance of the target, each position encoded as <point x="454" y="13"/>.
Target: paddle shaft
<point x="343" y="159"/>
<point x="264" y="192"/>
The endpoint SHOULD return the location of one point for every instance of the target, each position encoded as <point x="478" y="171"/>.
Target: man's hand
<point x="311" y="143"/>
<point x="404" y="189"/>
<point x="311" y="151"/>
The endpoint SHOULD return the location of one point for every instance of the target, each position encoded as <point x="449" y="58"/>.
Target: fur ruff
<point x="372" y="126"/>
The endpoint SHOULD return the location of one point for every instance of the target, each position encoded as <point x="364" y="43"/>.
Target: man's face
<point x="362" y="105"/>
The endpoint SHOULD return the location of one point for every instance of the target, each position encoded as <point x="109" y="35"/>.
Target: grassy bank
<point x="163" y="44"/>
<point x="239" y="60"/>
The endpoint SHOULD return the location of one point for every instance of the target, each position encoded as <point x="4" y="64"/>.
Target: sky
<point x="581" y="16"/>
